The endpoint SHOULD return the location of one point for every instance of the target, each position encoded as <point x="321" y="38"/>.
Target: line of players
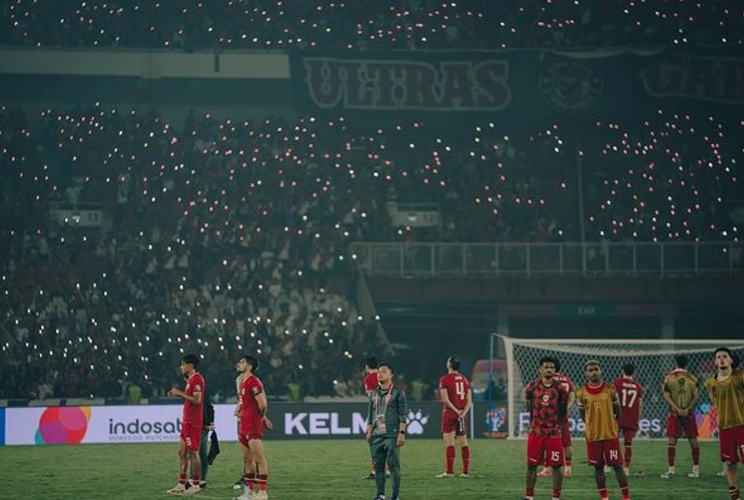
<point x="608" y="409"/>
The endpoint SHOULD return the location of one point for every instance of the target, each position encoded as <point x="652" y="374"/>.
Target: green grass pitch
<point x="332" y="470"/>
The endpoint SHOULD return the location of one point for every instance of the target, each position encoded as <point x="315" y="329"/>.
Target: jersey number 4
<point x="460" y="389"/>
<point x="629" y="398"/>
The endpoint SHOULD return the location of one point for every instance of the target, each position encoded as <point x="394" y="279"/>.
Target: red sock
<point x="182" y="479"/>
<point x="568" y="463"/>
<point x="671" y="452"/>
<point x="628" y="454"/>
<point x="602" y="492"/>
<point x="196" y="478"/>
<point x="250" y="481"/>
<point x="450" y="459"/>
<point x="625" y="492"/>
<point x="734" y="492"/>
<point x="263" y="482"/>
<point x="465" y="459"/>
<point x="530" y="493"/>
<point x="556" y="493"/>
<point x="696" y="455"/>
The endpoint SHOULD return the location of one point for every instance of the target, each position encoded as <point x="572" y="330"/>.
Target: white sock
<point x="696" y="469"/>
<point x="672" y="470"/>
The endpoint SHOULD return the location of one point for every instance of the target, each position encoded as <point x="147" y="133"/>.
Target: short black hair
<point x="557" y="364"/>
<point x="251" y="361"/>
<point x="191" y="359"/>
<point x="629" y="369"/>
<point x="547" y="359"/>
<point x="723" y="349"/>
<point x="454" y="363"/>
<point x="371" y="362"/>
<point x="389" y="367"/>
<point x="681" y="361"/>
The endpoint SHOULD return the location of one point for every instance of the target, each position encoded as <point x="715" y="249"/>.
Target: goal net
<point x="653" y="360"/>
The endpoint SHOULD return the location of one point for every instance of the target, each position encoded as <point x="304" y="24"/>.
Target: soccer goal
<point x="653" y="360"/>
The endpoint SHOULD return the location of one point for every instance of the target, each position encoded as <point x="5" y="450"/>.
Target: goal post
<point x="653" y="360"/>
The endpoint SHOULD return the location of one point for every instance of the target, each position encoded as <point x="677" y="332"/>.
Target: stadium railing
<point x="598" y="259"/>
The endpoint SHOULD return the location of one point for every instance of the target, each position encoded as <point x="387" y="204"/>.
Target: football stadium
<point x="371" y="249"/>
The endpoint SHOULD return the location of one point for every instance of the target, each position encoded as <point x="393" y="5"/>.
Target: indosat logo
<point x="63" y="425"/>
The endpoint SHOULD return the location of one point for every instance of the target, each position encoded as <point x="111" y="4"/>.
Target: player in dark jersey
<point x="630" y="393"/>
<point x="457" y="400"/>
<point x="191" y="428"/>
<point x="563" y="379"/>
<point x="253" y="421"/>
<point x="547" y="402"/>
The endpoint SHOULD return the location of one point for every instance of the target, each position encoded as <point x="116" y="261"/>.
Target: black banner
<point x="519" y="85"/>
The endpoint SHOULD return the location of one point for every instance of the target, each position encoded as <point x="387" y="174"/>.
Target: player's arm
<point x="582" y="410"/>
<point x="195" y="398"/>
<point x="468" y="402"/>
<point x="616" y="408"/>
<point x="695" y="397"/>
<point x="446" y="400"/>
<point x="263" y="409"/>
<point x="667" y="395"/>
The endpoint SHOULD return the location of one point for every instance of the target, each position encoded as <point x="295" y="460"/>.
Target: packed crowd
<point x="221" y="236"/>
<point x="369" y="24"/>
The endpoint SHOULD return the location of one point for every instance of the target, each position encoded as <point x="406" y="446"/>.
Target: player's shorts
<point x="628" y="434"/>
<point x="565" y="434"/>
<point x="251" y="429"/>
<point x="678" y="427"/>
<point x="191" y="434"/>
<point x="452" y="423"/>
<point x="605" y="452"/>
<point x="545" y="451"/>
<point x="731" y="444"/>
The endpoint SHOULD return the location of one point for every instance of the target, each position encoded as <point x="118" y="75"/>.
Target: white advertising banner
<point x="105" y="424"/>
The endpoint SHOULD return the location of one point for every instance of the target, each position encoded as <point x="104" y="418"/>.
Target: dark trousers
<point x="385" y="450"/>
<point x="203" y="453"/>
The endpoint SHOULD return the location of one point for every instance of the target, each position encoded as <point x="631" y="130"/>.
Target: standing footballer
<point x="599" y="407"/>
<point x="546" y="401"/>
<point x="630" y="392"/>
<point x="726" y="390"/>
<point x="457" y="400"/>
<point x="370" y="384"/>
<point x="253" y="421"/>
<point x="191" y="428"/>
<point x="564" y="380"/>
<point x="680" y="390"/>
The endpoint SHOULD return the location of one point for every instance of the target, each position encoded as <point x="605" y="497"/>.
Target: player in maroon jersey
<point x="253" y="421"/>
<point x="631" y="403"/>
<point x="193" y="420"/>
<point x="547" y="403"/>
<point x="370" y="384"/>
<point x="563" y="379"/>
<point x="457" y="400"/>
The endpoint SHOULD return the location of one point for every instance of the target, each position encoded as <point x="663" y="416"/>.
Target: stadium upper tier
<point x="219" y="235"/>
<point x="369" y="24"/>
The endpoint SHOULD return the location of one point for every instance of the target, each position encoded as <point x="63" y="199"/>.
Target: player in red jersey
<point x="454" y="390"/>
<point x="630" y="392"/>
<point x="253" y="421"/>
<point x="547" y="402"/>
<point x="563" y="379"/>
<point x="193" y="420"/>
